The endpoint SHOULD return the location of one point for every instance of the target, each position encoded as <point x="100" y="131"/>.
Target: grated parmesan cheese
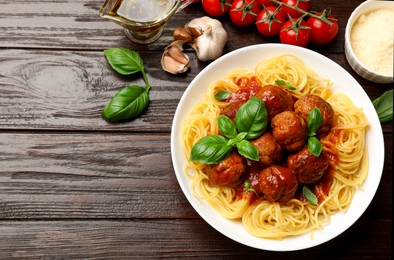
<point x="372" y="39"/>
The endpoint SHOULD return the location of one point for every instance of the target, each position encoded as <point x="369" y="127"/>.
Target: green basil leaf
<point x="384" y="106"/>
<point x="248" y="188"/>
<point x="248" y="150"/>
<point x="124" y="61"/>
<point x="284" y="83"/>
<point x="237" y="139"/>
<point x="252" y="118"/>
<point x="247" y="185"/>
<point x="211" y="149"/>
<point x="314" y="146"/>
<point x="222" y="95"/>
<point x="126" y="104"/>
<point x="315" y="119"/>
<point x="226" y="127"/>
<point x="309" y="195"/>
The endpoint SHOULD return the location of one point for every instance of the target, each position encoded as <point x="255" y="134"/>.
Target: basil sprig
<point x="315" y="119"/>
<point x="251" y="122"/>
<point x="131" y="101"/>
<point x="384" y="106"/>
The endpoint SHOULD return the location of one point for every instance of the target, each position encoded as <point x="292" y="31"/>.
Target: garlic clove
<point x="183" y="34"/>
<point x="174" y="60"/>
<point x="195" y="31"/>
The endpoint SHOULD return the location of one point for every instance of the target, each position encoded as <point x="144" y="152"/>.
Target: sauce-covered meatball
<point x="278" y="183"/>
<point x="228" y="171"/>
<point x="306" y="167"/>
<point x="231" y="110"/>
<point x="270" y="151"/>
<point x="289" y="130"/>
<point x="276" y="100"/>
<point x="307" y="103"/>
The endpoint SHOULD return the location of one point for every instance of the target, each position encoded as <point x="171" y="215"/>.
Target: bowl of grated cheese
<point x="369" y="40"/>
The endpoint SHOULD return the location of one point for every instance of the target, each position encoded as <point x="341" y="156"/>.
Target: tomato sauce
<point x="248" y="88"/>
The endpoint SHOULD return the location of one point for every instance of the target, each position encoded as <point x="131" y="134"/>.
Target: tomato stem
<point x="305" y="13"/>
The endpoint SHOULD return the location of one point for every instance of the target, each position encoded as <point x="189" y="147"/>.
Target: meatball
<point x="276" y="100"/>
<point x="228" y="171"/>
<point x="306" y="167"/>
<point x="270" y="151"/>
<point x="289" y="130"/>
<point x="231" y="110"/>
<point x="278" y="183"/>
<point x="307" y="103"/>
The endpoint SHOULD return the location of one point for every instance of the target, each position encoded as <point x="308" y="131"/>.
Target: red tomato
<point x="302" y="4"/>
<point x="321" y="32"/>
<point x="216" y="7"/>
<point x="295" y="33"/>
<point x="269" y="21"/>
<point x="243" y="12"/>
<point x="265" y="3"/>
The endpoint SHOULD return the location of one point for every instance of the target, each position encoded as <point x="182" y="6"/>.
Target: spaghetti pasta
<point x="346" y="144"/>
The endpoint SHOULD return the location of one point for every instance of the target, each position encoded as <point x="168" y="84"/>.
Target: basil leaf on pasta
<point x="314" y="146"/>
<point x="252" y="118"/>
<point x="237" y="139"/>
<point x="309" y="195"/>
<point x="248" y="188"/>
<point x="226" y="127"/>
<point x="248" y="150"/>
<point x="222" y="95"/>
<point x="315" y="119"/>
<point x="211" y="149"/>
<point x="284" y="83"/>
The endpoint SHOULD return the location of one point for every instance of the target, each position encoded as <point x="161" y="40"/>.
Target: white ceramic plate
<point x="247" y="58"/>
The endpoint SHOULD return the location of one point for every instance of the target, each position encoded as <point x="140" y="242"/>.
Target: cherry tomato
<point x="243" y="12"/>
<point x="295" y="33"/>
<point x="265" y="3"/>
<point x="321" y="32"/>
<point x="269" y="21"/>
<point x="302" y="4"/>
<point x="216" y="7"/>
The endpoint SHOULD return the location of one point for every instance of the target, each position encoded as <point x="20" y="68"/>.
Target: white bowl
<point x="343" y="82"/>
<point x="353" y="60"/>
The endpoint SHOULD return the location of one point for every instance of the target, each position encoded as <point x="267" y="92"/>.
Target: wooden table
<point x="74" y="186"/>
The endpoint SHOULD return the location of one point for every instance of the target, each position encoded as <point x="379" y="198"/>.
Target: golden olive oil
<point x="141" y="16"/>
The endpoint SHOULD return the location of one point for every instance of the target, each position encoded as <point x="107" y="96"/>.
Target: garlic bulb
<point x="209" y="45"/>
<point x="205" y="35"/>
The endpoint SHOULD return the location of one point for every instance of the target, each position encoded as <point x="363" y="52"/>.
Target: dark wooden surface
<point x="74" y="186"/>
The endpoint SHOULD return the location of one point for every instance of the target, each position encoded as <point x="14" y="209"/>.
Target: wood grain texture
<point x="76" y="24"/>
<point x="189" y="239"/>
<point x="67" y="90"/>
<point x="75" y="175"/>
<point x="73" y="186"/>
<point x="72" y="175"/>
